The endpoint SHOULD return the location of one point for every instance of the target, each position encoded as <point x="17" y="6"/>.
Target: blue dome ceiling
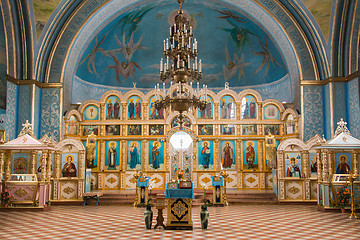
<point x="232" y="47"/>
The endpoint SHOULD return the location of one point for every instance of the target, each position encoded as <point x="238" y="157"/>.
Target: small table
<point x="92" y="195"/>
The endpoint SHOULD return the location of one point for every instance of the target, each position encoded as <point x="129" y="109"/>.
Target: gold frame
<point x="244" y="157"/>
<point x="2" y="136"/>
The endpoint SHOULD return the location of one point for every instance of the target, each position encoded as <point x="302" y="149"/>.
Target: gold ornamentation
<point x="21" y="192"/>
<point x="156" y="180"/>
<point x="251" y="180"/>
<point x="179" y="209"/>
<point x="112" y="180"/>
<point x="229" y="180"/>
<point x="68" y="190"/>
<point x="206" y="180"/>
<point x="294" y="190"/>
<point x="133" y="180"/>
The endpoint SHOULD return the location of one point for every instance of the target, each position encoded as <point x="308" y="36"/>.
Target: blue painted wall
<point x="313" y="111"/>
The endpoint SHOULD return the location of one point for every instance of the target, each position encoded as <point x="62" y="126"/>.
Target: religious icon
<point x="313" y="164"/>
<point x="20" y="163"/>
<point x="109" y="108"/>
<point x="111" y="130"/>
<point x="175" y="122"/>
<point x="112" y="156"/>
<point x="88" y="130"/>
<point x="156" y="155"/>
<point x="207" y="113"/>
<point x="293" y="170"/>
<point x="228" y="129"/>
<point x="207" y="129"/>
<point x="91" y="151"/>
<point x="249" y="129"/>
<point x="116" y="109"/>
<point x="153" y="112"/>
<point x="205" y="155"/>
<point x="156" y="129"/>
<point x="73" y="126"/>
<point x="250" y="155"/>
<point x="91" y="113"/>
<point x="227" y="108"/>
<point x="131" y="109"/>
<point x="69" y="168"/>
<point x="342" y="167"/>
<point x="248" y="107"/>
<point x="134" y="130"/>
<point x="272" y="129"/>
<point x="271" y="112"/>
<point x="134" y="155"/>
<point x="227" y="155"/>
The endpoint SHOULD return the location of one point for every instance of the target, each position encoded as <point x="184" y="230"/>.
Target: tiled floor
<point x="233" y="222"/>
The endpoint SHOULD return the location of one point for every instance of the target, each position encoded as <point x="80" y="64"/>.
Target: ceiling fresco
<point x="232" y="47"/>
<point x="321" y="10"/>
<point x="42" y="11"/>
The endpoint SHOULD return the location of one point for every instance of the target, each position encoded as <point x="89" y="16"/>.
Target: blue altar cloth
<point x="179" y="193"/>
<point x="143" y="183"/>
<point x="217" y="183"/>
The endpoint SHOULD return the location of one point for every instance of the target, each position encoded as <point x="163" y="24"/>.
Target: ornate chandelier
<point x="180" y="64"/>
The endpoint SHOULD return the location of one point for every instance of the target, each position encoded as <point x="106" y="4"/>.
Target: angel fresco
<point x="267" y="57"/>
<point x="234" y="65"/>
<point x="92" y="54"/>
<point x="127" y="68"/>
<point x="239" y="35"/>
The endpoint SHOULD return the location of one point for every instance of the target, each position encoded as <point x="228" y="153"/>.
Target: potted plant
<point x="343" y="197"/>
<point x="204" y="214"/>
<point x="148" y="215"/>
<point x="5" y="198"/>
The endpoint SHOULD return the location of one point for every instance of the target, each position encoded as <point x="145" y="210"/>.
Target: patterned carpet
<point x="126" y="222"/>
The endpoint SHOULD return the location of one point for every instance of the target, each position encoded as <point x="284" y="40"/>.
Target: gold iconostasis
<point x="124" y="133"/>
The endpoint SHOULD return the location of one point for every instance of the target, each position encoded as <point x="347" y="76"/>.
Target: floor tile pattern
<point x="126" y="222"/>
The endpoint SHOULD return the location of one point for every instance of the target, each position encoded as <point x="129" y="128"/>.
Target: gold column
<point x="82" y="164"/>
<point x="319" y="168"/>
<point x="356" y="164"/>
<point x="123" y="110"/>
<point x="260" y="112"/>
<point x="101" y="155"/>
<point x="261" y="156"/>
<point x="143" y="154"/>
<point x="280" y="163"/>
<point x="1" y="164"/>
<point x="123" y="154"/>
<point x="8" y="160"/>
<point x="102" y="111"/>
<point x="330" y="162"/>
<point x="217" y="160"/>
<point x="43" y="166"/>
<point x="305" y="161"/>
<point x="145" y="111"/>
<point x="33" y="162"/>
<point x="238" y="154"/>
<point x="57" y="165"/>
<point x="238" y="112"/>
<point x="325" y="165"/>
<point x="216" y="110"/>
<point x="48" y="166"/>
<point x="66" y="127"/>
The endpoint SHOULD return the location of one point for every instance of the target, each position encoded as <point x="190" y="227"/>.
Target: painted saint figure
<point x="208" y="109"/>
<point x="228" y="156"/>
<point x="343" y="167"/>
<point x="205" y="155"/>
<point x="112" y="156"/>
<point x="293" y="170"/>
<point x="250" y="155"/>
<point x="138" y="109"/>
<point x="134" y="156"/>
<point x="109" y="109"/>
<point x="252" y="109"/>
<point x="156" y="155"/>
<point x="69" y="169"/>
<point x="116" y="109"/>
<point x="223" y="108"/>
<point x="131" y="109"/>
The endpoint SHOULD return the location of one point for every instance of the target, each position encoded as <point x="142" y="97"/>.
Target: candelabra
<point x="181" y="64"/>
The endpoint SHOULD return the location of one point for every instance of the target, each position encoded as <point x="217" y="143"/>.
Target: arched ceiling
<point x="233" y="47"/>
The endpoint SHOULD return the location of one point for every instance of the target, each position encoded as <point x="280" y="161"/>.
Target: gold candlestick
<point x="225" y="175"/>
<point x="136" y="176"/>
<point x="353" y="214"/>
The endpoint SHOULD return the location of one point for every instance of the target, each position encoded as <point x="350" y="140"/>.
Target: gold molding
<point x="35" y="82"/>
<point x="329" y="80"/>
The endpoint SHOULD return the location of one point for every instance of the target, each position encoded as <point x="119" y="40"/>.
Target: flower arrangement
<point x="343" y="196"/>
<point x="5" y="197"/>
<point x="180" y="174"/>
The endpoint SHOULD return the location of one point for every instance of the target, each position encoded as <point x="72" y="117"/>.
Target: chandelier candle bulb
<point x="190" y="30"/>
<point x="161" y="65"/>
<point x="167" y="44"/>
<point x="164" y="87"/>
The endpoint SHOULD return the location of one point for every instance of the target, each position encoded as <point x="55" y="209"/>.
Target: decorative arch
<point x="184" y="129"/>
<point x="131" y="93"/>
<point x="88" y="103"/>
<point x="228" y="92"/>
<point x="73" y="112"/>
<point x="290" y="111"/>
<point x="274" y="102"/>
<point x="109" y="94"/>
<point x="256" y="94"/>
<point x="72" y="142"/>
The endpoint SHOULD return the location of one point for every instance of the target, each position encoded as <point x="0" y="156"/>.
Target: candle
<point x="164" y="46"/>
<point x="190" y="30"/>
<point x="167" y="44"/>
<point x="161" y="65"/>
<point x="164" y="87"/>
<point x="200" y="68"/>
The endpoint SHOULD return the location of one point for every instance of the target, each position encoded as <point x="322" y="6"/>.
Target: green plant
<point x="343" y="196"/>
<point x="205" y="205"/>
<point x="148" y="205"/>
